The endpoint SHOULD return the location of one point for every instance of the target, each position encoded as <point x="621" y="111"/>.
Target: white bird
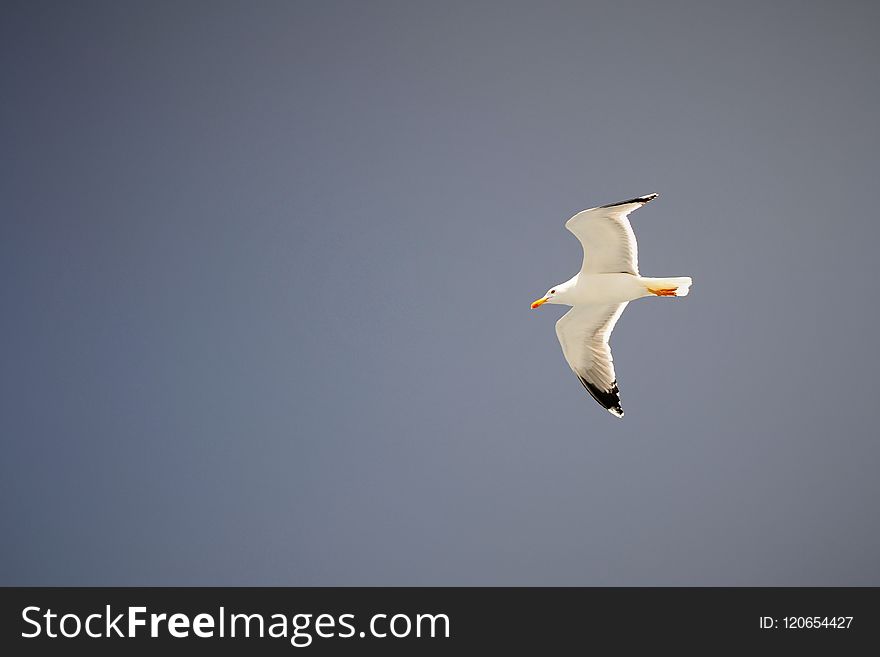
<point x="608" y="280"/>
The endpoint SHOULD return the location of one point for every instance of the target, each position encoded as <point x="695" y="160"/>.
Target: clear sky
<point x="266" y="271"/>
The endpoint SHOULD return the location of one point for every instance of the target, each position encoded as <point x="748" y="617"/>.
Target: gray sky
<point x="266" y="273"/>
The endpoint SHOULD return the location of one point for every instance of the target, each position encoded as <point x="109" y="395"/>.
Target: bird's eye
<point x="552" y="291"/>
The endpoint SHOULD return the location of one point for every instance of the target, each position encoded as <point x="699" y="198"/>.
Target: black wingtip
<point x="638" y="199"/>
<point x="609" y="399"/>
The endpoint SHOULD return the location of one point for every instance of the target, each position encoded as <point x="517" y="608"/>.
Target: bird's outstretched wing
<point x="607" y="237"/>
<point x="583" y="333"/>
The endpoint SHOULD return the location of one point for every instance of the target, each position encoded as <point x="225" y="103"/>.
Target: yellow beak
<point x="539" y="302"/>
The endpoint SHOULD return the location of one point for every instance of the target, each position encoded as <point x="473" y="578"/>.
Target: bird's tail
<point x="668" y="287"/>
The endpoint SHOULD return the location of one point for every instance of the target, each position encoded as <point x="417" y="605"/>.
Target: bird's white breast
<point x="608" y="288"/>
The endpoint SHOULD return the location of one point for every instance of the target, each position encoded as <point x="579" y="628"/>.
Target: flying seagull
<point x="608" y="280"/>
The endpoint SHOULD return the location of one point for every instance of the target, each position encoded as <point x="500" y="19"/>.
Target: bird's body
<point x="602" y="288"/>
<point x="609" y="279"/>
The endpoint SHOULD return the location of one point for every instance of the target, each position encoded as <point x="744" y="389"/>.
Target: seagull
<point x="609" y="279"/>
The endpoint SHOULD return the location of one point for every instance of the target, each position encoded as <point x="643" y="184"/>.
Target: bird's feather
<point x="583" y="333"/>
<point x="607" y="237"/>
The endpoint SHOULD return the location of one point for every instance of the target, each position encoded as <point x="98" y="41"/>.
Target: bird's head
<point x="555" y="294"/>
